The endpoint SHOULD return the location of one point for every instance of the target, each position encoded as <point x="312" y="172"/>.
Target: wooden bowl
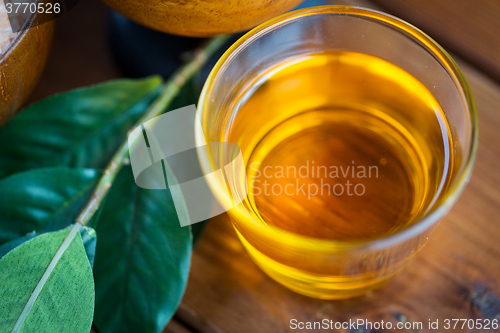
<point x="201" y="18"/>
<point x="22" y="63"/>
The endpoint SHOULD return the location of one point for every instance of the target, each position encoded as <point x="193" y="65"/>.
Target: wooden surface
<point x="455" y="276"/>
<point x="470" y="28"/>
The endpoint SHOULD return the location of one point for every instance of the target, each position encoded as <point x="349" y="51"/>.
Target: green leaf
<point x="43" y="200"/>
<point x="89" y="239"/>
<point x="189" y="95"/>
<point x="47" y="285"/>
<point x="141" y="269"/>
<point x="9" y="246"/>
<point x="81" y="128"/>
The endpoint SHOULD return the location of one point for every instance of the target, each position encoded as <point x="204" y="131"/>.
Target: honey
<point x="340" y="146"/>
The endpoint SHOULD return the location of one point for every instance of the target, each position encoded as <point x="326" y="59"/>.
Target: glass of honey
<point x="358" y="133"/>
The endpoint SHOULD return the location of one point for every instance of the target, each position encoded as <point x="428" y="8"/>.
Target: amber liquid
<point x="340" y="146"/>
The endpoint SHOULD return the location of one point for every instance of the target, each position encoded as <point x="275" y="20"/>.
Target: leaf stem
<point x="171" y="89"/>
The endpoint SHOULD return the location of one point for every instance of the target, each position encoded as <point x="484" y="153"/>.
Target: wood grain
<point x="468" y="28"/>
<point x="175" y="327"/>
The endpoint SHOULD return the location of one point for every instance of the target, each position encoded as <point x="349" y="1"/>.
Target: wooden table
<point x="456" y="275"/>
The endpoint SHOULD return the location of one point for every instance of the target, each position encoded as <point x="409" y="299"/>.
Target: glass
<point x="325" y="268"/>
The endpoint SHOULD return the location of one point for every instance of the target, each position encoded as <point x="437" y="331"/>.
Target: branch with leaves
<point x="170" y="91"/>
<point x="53" y="194"/>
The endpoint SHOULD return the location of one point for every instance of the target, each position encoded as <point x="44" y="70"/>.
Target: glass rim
<point x="450" y="196"/>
